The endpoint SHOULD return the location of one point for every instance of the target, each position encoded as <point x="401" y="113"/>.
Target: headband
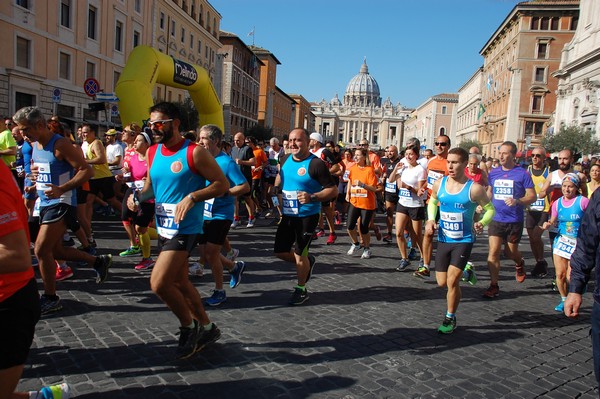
<point x="573" y="178"/>
<point x="146" y="137"/>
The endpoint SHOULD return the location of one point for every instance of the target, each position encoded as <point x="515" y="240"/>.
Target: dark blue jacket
<point x="587" y="252"/>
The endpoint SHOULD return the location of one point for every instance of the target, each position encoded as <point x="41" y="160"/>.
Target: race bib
<point x="564" y="246"/>
<point x="208" y="208"/>
<point x="432" y="177"/>
<point x="275" y="200"/>
<point x="165" y="220"/>
<point x="404" y="193"/>
<point x="503" y="189"/>
<point x="452" y="224"/>
<point x="345" y="177"/>
<point x="290" y="203"/>
<point x="44" y="176"/>
<point x="390" y="187"/>
<point x="36" y="208"/>
<point x="538" y="205"/>
<point x="358" y="192"/>
<point x="139" y="184"/>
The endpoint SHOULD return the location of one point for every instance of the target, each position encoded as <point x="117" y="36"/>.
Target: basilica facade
<point x="361" y="114"/>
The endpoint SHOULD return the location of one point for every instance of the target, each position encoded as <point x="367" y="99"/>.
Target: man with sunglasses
<point x="437" y="167"/>
<point x="537" y="213"/>
<point x="181" y="176"/>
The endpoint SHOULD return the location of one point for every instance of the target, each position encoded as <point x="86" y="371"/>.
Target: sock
<point x="230" y="253"/>
<point x="366" y="248"/>
<point x="564" y="298"/>
<point x="236" y="218"/>
<point x="426" y="266"/>
<point x="207" y="327"/>
<point x="145" y="244"/>
<point x="63" y="265"/>
<point x="190" y="326"/>
<point x="301" y="287"/>
<point x="450" y="315"/>
<point x="356" y="244"/>
<point x="33" y="395"/>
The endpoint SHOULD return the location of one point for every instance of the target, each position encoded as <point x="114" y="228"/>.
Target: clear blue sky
<point x="414" y="48"/>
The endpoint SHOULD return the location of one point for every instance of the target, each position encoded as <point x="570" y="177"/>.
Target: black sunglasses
<point x="536" y="155"/>
<point x="441" y="144"/>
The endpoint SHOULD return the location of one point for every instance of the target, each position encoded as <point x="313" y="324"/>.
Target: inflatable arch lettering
<point x="146" y="67"/>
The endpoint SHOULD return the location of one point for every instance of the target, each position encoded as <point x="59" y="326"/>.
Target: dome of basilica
<point x="362" y="90"/>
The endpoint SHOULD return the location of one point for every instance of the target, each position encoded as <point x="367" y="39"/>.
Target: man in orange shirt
<point x="257" y="171"/>
<point x="437" y="167"/>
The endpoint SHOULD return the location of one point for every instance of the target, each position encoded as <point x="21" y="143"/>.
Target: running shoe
<point x="231" y="255"/>
<point x="331" y="239"/>
<point x="387" y="237"/>
<point x="377" y="232"/>
<point x="235" y="224"/>
<point x="250" y="223"/>
<point x="92" y="242"/>
<point x="68" y="241"/>
<point x="63" y="272"/>
<point x="560" y="307"/>
<point x="353" y="249"/>
<point x="207" y="337"/>
<point x="423" y="272"/>
<point x="34" y="261"/>
<point x="366" y="254"/>
<point x="188" y="339"/>
<point x="320" y="233"/>
<point x="520" y="271"/>
<point x="492" y="292"/>
<point x="337" y="219"/>
<point x="413" y="254"/>
<point x="89" y="249"/>
<point x="448" y="326"/>
<point x="299" y="296"/>
<point x="60" y="391"/>
<point x="404" y="263"/>
<point x="217" y="298"/>
<point x="540" y="269"/>
<point x="101" y="266"/>
<point x="49" y="305"/>
<point x="196" y="269"/>
<point x="131" y="251"/>
<point x="236" y="274"/>
<point x="469" y="274"/>
<point x="145" y="264"/>
<point x="311" y="261"/>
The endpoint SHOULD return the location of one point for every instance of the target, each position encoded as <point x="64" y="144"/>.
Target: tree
<point x="467" y="144"/>
<point x="189" y="115"/>
<point x="259" y="132"/>
<point x="575" y="138"/>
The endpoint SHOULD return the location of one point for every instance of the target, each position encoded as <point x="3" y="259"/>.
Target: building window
<point x="173" y="28"/>
<point x="92" y="15"/>
<point x="23" y="53"/>
<point x="116" y="76"/>
<point x="574" y="22"/>
<point x="90" y="70"/>
<point x="542" y="51"/>
<point x="65" y="13"/>
<point x="444" y="110"/>
<point x="554" y="23"/>
<point x="182" y="35"/>
<point x="192" y="41"/>
<point x="136" y="38"/>
<point x="199" y="46"/>
<point x="162" y="21"/>
<point x="533" y="128"/>
<point x="137" y="6"/>
<point x="24" y="4"/>
<point x="442" y="131"/>
<point x="536" y="104"/>
<point x="540" y="74"/>
<point x="545" y="23"/>
<point x="24" y="100"/>
<point x="119" y="36"/>
<point x="535" y="23"/>
<point x="64" y="66"/>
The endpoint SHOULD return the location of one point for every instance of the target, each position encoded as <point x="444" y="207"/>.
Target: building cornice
<point x="589" y="58"/>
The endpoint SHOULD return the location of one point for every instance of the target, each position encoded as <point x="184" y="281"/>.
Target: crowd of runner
<point x="186" y="190"/>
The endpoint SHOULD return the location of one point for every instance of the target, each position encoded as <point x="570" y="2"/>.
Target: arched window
<point x="442" y="131"/>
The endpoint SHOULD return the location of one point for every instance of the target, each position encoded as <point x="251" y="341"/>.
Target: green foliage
<point x="467" y="144"/>
<point x="575" y="138"/>
<point x="189" y="115"/>
<point x="260" y="132"/>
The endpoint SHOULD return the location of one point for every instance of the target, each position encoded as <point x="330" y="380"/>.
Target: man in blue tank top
<point x="181" y="176"/>
<point x="58" y="169"/>
<point x="457" y="197"/>
<point x="511" y="190"/>
<point x="304" y="181"/>
<point x="218" y="216"/>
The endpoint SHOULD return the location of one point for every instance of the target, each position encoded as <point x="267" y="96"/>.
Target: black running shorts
<point x="298" y="230"/>
<point x="455" y="254"/>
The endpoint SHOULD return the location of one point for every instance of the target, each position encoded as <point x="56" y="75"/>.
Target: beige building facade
<point x="56" y="45"/>
<point x="468" y="109"/>
<point x="432" y="118"/>
<point x="518" y="89"/>
<point x="303" y="116"/>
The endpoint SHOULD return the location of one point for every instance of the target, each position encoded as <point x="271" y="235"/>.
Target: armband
<point x="432" y="209"/>
<point x="487" y="217"/>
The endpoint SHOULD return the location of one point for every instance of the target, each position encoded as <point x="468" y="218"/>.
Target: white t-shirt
<point x="411" y="176"/>
<point x="112" y="152"/>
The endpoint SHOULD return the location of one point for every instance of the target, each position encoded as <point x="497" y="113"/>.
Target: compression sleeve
<point x="432" y="208"/>
<point x="490" y="211"/>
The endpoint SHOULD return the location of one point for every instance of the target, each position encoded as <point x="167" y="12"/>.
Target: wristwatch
<point x="313" y="198"/>
<point x="191" y="197"/>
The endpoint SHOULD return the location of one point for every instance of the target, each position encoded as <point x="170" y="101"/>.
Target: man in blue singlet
<point x="58" y="169"/>
<point x="181" y="176"/>
<point x="305" y="182"/>
<point x="457" y="197"/>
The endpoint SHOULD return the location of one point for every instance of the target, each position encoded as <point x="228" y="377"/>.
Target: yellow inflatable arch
<point x="146" y="67"/>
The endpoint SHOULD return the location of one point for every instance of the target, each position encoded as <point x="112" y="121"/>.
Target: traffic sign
<point x="107" y="97"/>
<point x="91" y="87"/>
<point x="114" y="110"/>
<point x="56" y="95"/>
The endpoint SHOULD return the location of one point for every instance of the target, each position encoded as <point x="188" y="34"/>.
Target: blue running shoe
<point x="236" y="274"/>
<point x="60" y="391"/>
<point x="217" y="298"/>
<point x="560" y="307"/>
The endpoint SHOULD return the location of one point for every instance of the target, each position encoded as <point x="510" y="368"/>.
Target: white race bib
<point x="432" y="177"/>
<point x="404" y="193"/>
<point x="345" y="177"/>
<point x="165" y="220"/>
<point x="358" y="192"/>
<point x="503" y="189"/>
<point x="290" y="202"/>
<point x="538" y="205"/>
<point x="564" y="247"/>
<point x="452" y="224"/>
<point x="44" y="176"/>
<point x="390" y="187"/>
<point x="139" y="184"/>
<point x="208" y="208"/>
<point x="36" y="207"/>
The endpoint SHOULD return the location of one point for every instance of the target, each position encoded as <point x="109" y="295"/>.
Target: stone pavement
<point x="366" y="332"/>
